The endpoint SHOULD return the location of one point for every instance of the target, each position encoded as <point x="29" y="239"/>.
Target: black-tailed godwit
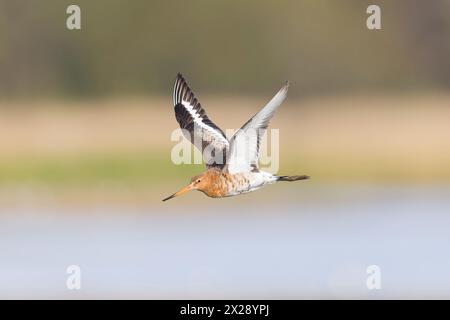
<point x="232" y="165"/>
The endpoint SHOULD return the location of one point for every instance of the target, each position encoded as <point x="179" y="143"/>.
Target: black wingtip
<point x="179" y="87"/>
<point x="285" y="86"/>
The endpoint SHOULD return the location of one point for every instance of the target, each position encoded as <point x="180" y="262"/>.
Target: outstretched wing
<point x="197" y="127"/>
<point x="244" y="145"/>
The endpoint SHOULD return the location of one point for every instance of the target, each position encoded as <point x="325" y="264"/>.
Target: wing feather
<point x="197" y="127"/>
<point x="245" y="143"/>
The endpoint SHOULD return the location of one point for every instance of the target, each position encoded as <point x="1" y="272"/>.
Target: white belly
<point x="252" y="181"/>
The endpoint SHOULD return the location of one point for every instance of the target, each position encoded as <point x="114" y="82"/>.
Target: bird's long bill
<point x="189" y="187"/>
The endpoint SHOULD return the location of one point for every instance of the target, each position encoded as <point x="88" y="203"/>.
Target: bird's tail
<point x="292" y="178"/>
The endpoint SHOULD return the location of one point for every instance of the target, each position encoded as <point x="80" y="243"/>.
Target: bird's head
<point x="199" y="182"/>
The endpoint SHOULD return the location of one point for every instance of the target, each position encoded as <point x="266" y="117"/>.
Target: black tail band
<point x="292" y="178"/>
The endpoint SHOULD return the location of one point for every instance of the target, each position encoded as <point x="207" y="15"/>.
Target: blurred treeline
<point x="228" y="47"/>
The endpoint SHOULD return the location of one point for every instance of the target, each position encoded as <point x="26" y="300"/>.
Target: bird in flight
<point x="231" y="165"/>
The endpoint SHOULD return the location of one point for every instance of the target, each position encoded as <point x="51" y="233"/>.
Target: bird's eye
<point x="198" y="180"/>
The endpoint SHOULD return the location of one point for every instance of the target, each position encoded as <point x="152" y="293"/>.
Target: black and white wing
<point x="244" y="145"/>
<point x="197" y="127"/>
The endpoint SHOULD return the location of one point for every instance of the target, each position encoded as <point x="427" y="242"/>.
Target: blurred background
<point x="85" y="125"/>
